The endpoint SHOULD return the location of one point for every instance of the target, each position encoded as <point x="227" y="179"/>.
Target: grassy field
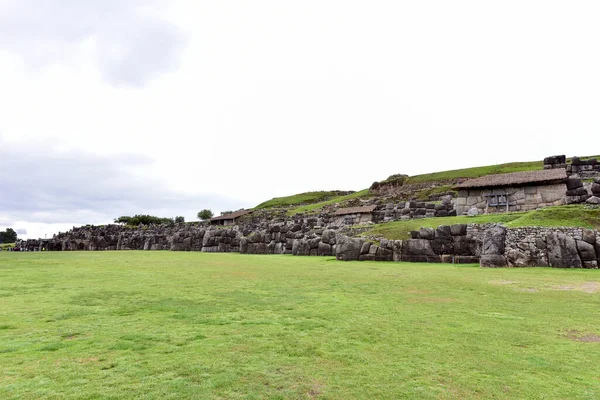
<point x="164" y="325"/>
<point x="5" y="246"/>
<point x="573" y="215"/>
<point x="300" y="198"/>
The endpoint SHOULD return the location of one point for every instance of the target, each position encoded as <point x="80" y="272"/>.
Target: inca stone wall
<point x="491" y="245"/>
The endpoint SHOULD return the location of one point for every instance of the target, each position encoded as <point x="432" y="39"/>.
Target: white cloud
<point x="270" y="98"/>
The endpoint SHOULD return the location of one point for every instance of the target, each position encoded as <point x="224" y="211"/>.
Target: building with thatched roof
<point x="229" y="218"/>
<point x="517" y="191"/>
<point x="353" y="215"/>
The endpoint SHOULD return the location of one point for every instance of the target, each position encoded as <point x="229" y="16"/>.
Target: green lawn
<point x="573" y="215"/>
<point x="165" y="325"/>
<point x="6" y="246"/>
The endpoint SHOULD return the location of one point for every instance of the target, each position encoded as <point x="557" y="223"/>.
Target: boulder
<point x="586" y="251"/>
<point x="365" y="248"/>
<point x="493" y="261"/>
<point x="442" y="245"/>
<point x="589" y="236"/>
<point x="493" y="240"/>
<point x="328" y="236"/>
<point x="593" y="200"/>
<point x="573" y="183"/>
<point x="418" y="250"/>
<point x="427" y="233"/>
<point x="348" y="249"/>
<point x="443" y="232"/>
<point x="324" y="249"/>
<point x="596" y="189"/>
<point x="562" y="251"/>
<point x="464" y="246"/>
<point x="473" y="212"/>
<point x="458" y="229"/>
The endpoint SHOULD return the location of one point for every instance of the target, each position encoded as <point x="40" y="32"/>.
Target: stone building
<point x="229" y="218"/>
<point x="518" y="191"/>
<point x="353" y="215"/>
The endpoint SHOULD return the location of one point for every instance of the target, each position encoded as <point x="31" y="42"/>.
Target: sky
<point x="122" y="107"/>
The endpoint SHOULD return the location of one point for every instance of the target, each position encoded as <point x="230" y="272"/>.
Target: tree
<point x="205" y="214"/>
<point x="179" y="220"/>
<point x="8" y="236"/>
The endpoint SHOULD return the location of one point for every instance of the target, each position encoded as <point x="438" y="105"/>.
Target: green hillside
<point x="313" y="202"/>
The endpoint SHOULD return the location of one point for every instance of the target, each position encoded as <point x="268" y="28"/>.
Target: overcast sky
<point x="118" y="107"/>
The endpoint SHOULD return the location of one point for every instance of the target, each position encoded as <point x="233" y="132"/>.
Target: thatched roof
<point x="355" y="210"/>
<point x="232" y="215"/>
<point x="516" y="178"/>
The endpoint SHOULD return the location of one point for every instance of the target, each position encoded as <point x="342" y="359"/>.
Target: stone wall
<point x="491" y="245"/>
<point x="578" y="168"/>
<point x="522" y="198"/>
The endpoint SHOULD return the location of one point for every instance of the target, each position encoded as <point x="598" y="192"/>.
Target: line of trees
<point x="8" y="236"/>
<point x="143" y="219"/>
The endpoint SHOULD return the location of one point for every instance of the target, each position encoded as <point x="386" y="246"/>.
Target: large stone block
<point x="493" y="261"/>
<point x="562" y="251"/>
<point x="348" y="249"/>
<point x="458" y="229"/>
<point x="586" y="251"/>
<point x="493" y="241"/>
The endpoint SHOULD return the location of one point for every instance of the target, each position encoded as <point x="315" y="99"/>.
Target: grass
<point x="574" y="215"/>
<point x="476" y="172"/>
<point x="313" y="208"/>
<point x="164" y="325"/>
<point x="301" y="198"/>
<point x="6" y="246"/>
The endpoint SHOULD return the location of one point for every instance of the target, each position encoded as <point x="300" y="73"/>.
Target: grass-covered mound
<point x="158" y="325"/>
<point x="301" y="198"/>
<point x="6" y="246"/>
<point x="574" y="215"/>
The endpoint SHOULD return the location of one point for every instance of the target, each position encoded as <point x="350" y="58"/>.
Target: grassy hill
<point x="6" y="246"/>
<point x="301" y="198"/>
<point x="313" y="202"/>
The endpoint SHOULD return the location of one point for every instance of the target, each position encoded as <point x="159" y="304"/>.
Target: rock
<point x="589" y="236"/>
<point x="365" y="248"/>
<point x="328" y="236"/>
<point x="596" y="188"/>
<point x="348" y="249"/>
<point x="324" y="249"/>
<point x="458" y="229"/>
<point x="573" y="183"/>
<point x="493" y="241"/>
<point x="516" y="258"/>
<point x="493" y="261"/>
<point x="441" y="213"/>
<point x="418" y="250"/>
<point x="427" y="233"/>
<point x="443" y="232"/>
<point x="590" y="264"/>
<point x="464" y="246"/>
<point x="442" y="245"/>
<point x="415" y="235"/>
<point x="562" y="251"/>
<point x="593" y="200"/>
<point x="586" y="251"/>
<point x="473" y="212"/>
<point x="580" y="191"/>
